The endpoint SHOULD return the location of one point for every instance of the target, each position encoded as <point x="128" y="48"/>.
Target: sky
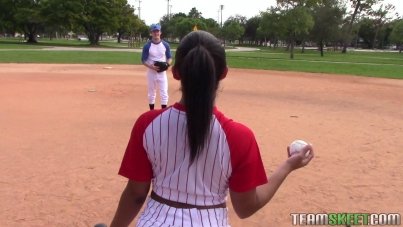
<point x="151" y="11"/>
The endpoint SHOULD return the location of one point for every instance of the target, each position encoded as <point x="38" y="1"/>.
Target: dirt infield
<point x="64" y="128"/>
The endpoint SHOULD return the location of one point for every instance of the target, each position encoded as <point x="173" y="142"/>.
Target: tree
<point x="327" y="20"/>
<point x="240" y="20"/>
<point x="194" y="13"/>
<point x="384" y="34"/>
<point x="97" y="17"/>
<point x="380" y="18"/>
<point x="169" y="24"/>
<point x="128" y="22"/>
<point x="251" y="27"/>
<point x="367" y="32"/>
<point x="397" y="35"/>
<point x="298" y="22"/>
<point x="272" y="25"/>
<point x="7" y="10"/>
<point x="232" y="30"/>
<point x="212" y="26"/>
<point x="290" y="4"/>
<point x="358" y="6"/>
<point x="297" y="19"/>
<point x="27" y="18"/>
<point x="180" y="24"/>
<point x="59" y="15"/>
<point x="184" y="25"/>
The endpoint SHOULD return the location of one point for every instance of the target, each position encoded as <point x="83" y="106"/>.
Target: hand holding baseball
<point x="300" y="153"/>
<point x="296" y="146"/>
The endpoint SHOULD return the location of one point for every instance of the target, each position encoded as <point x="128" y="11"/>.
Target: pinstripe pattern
<point x="205" y="182"/>
<point x="157" y="214"/>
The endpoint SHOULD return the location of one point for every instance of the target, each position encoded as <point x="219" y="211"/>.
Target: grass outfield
<point x="385" y="64"/>
<point x="372" y="64"/>
<point x="15" y="43"/>
<point x="69" y="57"/>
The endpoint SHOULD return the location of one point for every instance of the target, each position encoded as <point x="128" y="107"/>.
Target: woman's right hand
<point x="301" y="158"/>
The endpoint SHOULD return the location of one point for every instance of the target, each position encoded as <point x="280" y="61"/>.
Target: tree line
<point x="90" y="17"/>
<point x="336" y="24"/>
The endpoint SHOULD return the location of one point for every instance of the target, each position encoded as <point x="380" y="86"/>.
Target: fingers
<point x="307" y="150"/>
<point x="308" y="154"/>
<point x="154" y="67"/>
<point x="301" y="158"/>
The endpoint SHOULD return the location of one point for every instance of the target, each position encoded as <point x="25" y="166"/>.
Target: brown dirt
<point x="64" y="128"/>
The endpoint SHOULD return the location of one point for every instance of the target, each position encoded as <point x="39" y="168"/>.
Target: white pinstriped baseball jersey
<point x="158" y="151"/>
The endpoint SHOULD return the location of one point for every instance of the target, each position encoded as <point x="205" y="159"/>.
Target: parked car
<point x="82" y="38"/>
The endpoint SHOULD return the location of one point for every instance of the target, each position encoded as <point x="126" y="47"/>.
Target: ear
<point x="175" y="73"/>
<point x="224" y="73"/>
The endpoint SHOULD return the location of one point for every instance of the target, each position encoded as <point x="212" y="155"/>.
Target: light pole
<point x="168" y="8"/>
<point x="139" y="9"/>
<point x="222" y="35"/>
<point x="221" y="8"/>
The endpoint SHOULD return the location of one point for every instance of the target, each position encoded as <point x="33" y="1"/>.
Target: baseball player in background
<point x="156" y="50"/>
<point x="193" y="156"/>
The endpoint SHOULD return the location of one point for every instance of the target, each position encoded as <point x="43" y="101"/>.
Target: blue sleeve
<point x="146" y="50"/>
<point x="168" y="50"/>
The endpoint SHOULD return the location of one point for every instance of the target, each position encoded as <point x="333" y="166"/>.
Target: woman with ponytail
<point x="193" y="156"/>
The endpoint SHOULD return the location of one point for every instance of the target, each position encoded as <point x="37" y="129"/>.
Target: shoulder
<point x="165" y="43"/>
<point x="240" y="138"/>
<point x="233" y="129"/>
<point x="246" y="162"/>
<point x="147" y="44"/>
<point x="145" y="119"/>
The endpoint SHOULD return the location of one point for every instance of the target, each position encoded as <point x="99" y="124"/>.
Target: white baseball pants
<point x="157" y="81"/>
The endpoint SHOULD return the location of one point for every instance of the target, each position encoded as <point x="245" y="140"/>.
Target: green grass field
<point x="17" y="43"/>
<point x="371" y="64"/>
<point x="385" y="64"/>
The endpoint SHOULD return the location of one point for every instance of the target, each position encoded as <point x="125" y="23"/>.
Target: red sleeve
<point x="135" y="164"/>
<point x="247" y="166"/>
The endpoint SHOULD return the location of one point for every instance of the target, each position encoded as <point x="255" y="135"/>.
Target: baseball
<point x="297" y="146"/>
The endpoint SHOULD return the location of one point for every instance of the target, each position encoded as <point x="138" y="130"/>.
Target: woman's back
<point x="204" y="181"/>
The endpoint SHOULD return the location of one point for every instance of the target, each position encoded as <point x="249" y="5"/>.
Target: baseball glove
<point x="161" y="65"/>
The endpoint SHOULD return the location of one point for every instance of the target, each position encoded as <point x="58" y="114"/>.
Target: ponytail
<point x="199" y="91"/>
<point x="200" y="61"/>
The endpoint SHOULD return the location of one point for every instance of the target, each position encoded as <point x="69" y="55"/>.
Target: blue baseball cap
<point x="154" y="27"/>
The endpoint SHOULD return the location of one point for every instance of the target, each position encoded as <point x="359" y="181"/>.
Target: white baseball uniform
<point x="158" y="152"/>
<point x="156" y="52"/>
